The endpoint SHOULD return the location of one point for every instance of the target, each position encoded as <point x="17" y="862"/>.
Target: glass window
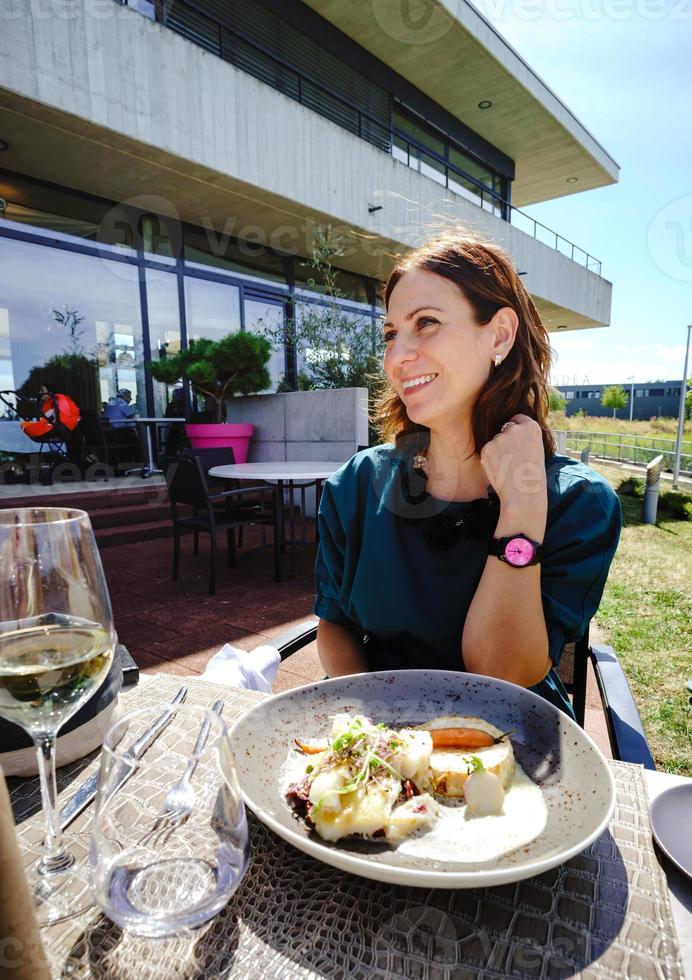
<point x="164" y="335"/>
<point x="320" y="314"/>
<point x="261" y="315"/>
<point x="60" y="214"/>
<point x="212" y="309"/>
<point x="72" y="321"/>
<point x="208" y="248"/>
<point x="6" y="373"/>
<point x="352" y="286"/>
<point x="418" y="132"/>
<point x="422" y="147"/>
<point x="161" y="237"/>
<point x="145" y="7"/>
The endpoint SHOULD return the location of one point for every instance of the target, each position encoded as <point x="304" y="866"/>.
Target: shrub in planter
<point x="234" y="365"/>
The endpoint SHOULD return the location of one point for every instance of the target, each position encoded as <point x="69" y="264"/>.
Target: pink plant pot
<point x="235" y="435"/>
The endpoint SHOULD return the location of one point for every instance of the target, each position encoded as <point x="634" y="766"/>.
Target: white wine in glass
<point x="56" y="648"/>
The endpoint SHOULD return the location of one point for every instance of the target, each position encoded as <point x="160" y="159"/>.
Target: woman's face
<point x="436" y="356"/>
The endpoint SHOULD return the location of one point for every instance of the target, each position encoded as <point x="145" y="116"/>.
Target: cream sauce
<point x="458" y="835"/>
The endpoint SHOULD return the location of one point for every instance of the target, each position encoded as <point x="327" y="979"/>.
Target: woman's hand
<point x="514" y="462"/>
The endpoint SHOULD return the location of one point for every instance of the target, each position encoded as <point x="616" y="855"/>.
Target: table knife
<point x="87" y="791"/>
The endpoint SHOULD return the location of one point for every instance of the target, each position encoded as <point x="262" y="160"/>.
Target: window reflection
<point x="71" y="321"/>
<point x="260" y="316"/>
<point x="212" y="309"/>
<point x="208" y="248"/>
<point x="164" y="334"/>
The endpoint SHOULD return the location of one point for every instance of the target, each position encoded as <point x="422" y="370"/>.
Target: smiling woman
<point x="464" y="542"/>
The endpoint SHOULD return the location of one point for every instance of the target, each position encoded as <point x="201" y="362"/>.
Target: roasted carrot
<point x="460" y="738"/>
<point x="310" y="749"/>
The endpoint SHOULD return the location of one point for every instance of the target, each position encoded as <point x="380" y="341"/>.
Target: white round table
<point x="292" y="473"/>
<point x="277" y="472"/>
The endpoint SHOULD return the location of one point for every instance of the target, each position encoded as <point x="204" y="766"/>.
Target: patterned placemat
<point x="604" y="914"/>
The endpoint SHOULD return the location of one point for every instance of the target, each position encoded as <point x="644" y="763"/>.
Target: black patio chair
<point x="187" y="485"/>
<point x="625" y="731"/>
<point x="258" y="496"/>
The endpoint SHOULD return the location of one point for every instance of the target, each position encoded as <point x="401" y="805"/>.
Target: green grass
<point x="646" y="613"/>
<point x="661" y="428"/>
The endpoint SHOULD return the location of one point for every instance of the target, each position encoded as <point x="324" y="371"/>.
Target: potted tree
<point x="234" y="365"/>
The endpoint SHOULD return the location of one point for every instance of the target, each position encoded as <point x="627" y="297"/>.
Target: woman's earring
<point x="498" y="360"/>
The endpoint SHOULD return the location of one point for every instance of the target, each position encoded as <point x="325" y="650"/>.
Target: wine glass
<point x="56" y="648"/>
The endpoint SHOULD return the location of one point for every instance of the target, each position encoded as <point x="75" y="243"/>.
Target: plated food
<point x="561" y="781"/>
<point x="395" y="785"/>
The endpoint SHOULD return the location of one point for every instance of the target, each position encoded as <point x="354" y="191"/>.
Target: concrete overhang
<point x="70" y="152"/>
<point x="448" y="50"/>
<point x="140" y="115"/>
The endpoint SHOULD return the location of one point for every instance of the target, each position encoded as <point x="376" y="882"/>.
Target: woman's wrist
<point x="523" y="517"/>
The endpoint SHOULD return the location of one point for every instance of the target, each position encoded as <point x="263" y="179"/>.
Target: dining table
<point x="617" y="910"/>
<point x="146" y="425"/>
<point x="290" y="475"/>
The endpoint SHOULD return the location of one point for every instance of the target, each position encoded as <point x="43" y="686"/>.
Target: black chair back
<point x="221" y="456"/>
<point x="186" y="480"/>
<point x="218" y="456"/>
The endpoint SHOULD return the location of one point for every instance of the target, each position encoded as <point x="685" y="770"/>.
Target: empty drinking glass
<point x="170" y="842"/>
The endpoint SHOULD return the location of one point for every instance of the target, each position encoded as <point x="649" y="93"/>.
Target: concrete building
<point x="166" y="164"/>
<point x="653" y="399"/>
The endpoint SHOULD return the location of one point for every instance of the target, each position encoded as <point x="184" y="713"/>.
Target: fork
<point x="180" y="799"/>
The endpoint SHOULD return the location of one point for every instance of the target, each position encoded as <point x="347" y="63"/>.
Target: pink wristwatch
<point x="516" y="550"/>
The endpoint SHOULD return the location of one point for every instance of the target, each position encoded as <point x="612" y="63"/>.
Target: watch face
<point x="519" y="552"/>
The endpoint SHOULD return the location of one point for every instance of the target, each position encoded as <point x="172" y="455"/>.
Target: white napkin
<point x="251" y="669"/>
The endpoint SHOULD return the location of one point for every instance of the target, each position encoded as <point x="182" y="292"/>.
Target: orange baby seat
<point x="58" y="412"/>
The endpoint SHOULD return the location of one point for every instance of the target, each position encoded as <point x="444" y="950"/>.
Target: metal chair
<point x="625" y="731"/>
<point x="187" y="485"/>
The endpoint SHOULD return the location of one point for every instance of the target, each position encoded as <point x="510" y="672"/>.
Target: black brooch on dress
<point x="440" y="531"/>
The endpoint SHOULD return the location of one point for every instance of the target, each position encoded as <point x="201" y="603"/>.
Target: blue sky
<point x="624" y="68"/>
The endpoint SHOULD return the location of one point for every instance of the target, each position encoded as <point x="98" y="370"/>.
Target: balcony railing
<point x="193" y="21"/>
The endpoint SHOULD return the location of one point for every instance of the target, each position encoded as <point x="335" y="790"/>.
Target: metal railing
<point x="627" y="448"/>
<point x="435" y="166"/>
<point x="218" y="38"/>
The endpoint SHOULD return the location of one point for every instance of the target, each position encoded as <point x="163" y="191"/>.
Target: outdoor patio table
<point x="612" y="911"/>
<point x="144" y="426"/>
<point x="283" y="473"/>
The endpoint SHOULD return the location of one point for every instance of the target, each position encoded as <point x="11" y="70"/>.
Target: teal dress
<point x="402" y="567"/>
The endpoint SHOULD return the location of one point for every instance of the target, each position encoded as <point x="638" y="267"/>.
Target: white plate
<point x="576" y="782"/>
<point x="671" y="822"/>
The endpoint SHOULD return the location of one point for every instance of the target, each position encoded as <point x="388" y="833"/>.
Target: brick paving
<point x="175" y="627"/>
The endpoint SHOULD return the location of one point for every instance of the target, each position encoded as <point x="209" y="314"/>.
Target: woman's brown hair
<point x="487" y="278"/>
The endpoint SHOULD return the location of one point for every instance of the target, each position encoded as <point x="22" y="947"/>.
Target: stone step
<point x="109" y="498"/>
<point x="132" y="515"/>
<point x="107" y="537"/>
